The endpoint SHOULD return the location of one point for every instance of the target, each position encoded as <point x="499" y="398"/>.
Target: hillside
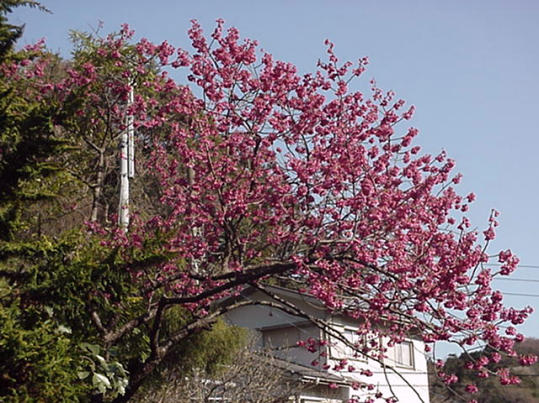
<point x="490" y="389"/>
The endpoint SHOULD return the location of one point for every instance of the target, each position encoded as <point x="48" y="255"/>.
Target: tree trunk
<point x="138" y="375"/>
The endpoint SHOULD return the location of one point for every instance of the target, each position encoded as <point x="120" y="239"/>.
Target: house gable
<point x="404" y="366"/>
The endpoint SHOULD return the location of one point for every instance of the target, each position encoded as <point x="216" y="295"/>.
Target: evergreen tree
<point x="55" y="275"/>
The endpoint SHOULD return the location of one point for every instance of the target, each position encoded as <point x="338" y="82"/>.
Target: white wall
<point x="415" y="375"/>
<point x="284" y="329"/>
<point x="277" y="329"/>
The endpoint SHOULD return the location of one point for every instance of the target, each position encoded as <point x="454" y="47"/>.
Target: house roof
<point x="281" y="291"/>
<point x="314" y="302"/>
<point x="309" y="373"/>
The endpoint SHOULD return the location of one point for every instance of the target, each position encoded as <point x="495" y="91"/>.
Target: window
<point x="340" y="350"/>
<point x="280" y="337"/>
<point x="402" y="354"/>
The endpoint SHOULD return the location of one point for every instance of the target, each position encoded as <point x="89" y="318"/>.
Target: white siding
<point x="278" y="329"/>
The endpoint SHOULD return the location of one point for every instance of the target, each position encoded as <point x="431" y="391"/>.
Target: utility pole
<point x="127" y="164"/>
<point x="131" y="135"/>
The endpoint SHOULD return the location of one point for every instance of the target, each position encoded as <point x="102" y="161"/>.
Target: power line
<point x="532" y="280"/>
<point x="520" y="294"/>
<point x="523" y="266"/>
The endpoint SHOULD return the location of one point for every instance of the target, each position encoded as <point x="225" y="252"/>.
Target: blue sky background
<point x="471" y="69"/>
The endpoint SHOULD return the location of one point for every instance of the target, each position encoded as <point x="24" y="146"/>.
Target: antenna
<point x="127" y="164"/>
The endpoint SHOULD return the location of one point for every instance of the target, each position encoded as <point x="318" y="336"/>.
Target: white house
<point x="402" y="373"/>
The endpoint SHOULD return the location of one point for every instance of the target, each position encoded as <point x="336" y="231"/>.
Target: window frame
<point x="397" y="348"/>
<point x="347" y="354"/>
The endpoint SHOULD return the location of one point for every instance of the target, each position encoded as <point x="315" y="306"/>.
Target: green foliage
<point x="37" y="357"/>
<point x="64" y="280"/>
<point x="57" y="277"/>
<point x="208" y="351"/>
<point x="40" y="354"/>
<point x="45" y="305"/>
<point x="27" y="140"/>
<point x="10" y="33"/>
<point x="107" y="376"/>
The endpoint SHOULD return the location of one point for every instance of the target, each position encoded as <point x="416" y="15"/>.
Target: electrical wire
<point x="518" y="294"/>
<point x="531" y="280"/>
<point x="520" y="266"/>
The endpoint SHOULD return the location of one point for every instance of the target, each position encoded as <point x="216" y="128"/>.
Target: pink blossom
<point x="263" y="171"/>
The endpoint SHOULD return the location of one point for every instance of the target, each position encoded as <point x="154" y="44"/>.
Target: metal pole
<point x="126" y="162"/>
<point x="131" y="135"/>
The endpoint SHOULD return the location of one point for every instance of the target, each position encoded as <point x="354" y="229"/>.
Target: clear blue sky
<point x="470" y="67"/>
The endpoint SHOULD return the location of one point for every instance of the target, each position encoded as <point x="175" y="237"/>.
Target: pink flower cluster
<point x="262" y="171"/>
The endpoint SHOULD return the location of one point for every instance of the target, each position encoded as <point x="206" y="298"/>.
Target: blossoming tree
<point x="259" y="173"/>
